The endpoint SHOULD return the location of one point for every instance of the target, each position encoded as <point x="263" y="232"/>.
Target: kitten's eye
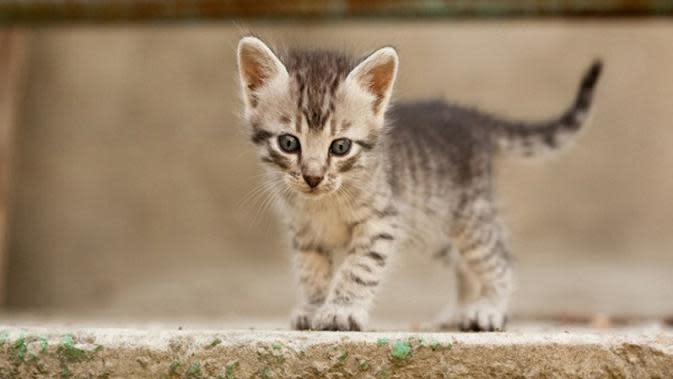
<point x="340" y="146"/>
<point x="288" y="143"/>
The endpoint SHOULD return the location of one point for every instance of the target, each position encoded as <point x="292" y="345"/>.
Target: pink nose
<point x="312" y="181"/>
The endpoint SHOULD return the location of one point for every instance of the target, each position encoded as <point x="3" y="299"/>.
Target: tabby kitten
<point x="354" y="175"/>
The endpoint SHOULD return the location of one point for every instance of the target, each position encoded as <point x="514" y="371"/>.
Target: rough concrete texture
<point x="68" y="352"/>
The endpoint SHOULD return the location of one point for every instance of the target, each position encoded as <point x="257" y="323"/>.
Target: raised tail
<point x="533" y="138"/>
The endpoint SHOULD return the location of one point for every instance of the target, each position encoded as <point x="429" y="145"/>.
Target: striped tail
<point x="529" y="139"/>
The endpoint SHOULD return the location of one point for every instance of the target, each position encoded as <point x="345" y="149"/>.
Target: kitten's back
<point x="443" y="140"/>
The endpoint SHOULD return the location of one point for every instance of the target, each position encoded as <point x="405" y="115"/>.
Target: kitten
<point x="354" y="175"/>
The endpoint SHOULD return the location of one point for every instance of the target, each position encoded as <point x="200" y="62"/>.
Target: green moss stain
<point x="173" y="368"/>
<point x="65" y="373"/>
<point x="400" y="350"/>
<point x="67" y="350"/>
<point x="382" y="341"/>
<point x="44" y="345"/>
<point x="229" y="370"/>
<point x="343" y="357"/>
<point x="194" y="371"/>
<point x="274" y="355"/>
<point x="434" y="345"/>
<point x="215" y="342"/>
<point x="19" y="349"/>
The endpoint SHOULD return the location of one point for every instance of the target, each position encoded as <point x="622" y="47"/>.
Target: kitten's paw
<point x="483" y="316"/>
<point x="449" y="319"/>
<point x="342" y="318"/>
<point x="302" y="318"/>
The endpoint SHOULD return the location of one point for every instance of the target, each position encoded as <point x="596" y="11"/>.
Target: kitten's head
<point x="316" y="116"/>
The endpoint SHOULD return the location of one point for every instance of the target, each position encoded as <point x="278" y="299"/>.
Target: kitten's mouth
<point x="316" y="192"/>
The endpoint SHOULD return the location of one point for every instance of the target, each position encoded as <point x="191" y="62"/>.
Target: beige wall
<point x="132" y="171"/>
<point x="11" y="62"/>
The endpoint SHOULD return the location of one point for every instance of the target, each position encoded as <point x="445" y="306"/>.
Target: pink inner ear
<point x="255" y="67"/>
<point x="378" y="80"/>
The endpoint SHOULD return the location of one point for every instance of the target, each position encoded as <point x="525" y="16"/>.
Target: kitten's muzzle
<point x="313" y="181"/>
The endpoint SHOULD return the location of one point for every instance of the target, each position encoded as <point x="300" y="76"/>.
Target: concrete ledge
<point x="67" y="352"/>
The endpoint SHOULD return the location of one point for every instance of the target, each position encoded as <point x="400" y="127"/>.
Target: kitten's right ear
<point x="376" y="75"/>
<point x="257" y="65"/>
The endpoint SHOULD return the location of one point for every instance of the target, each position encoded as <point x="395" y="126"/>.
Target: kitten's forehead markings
<point x="345" y="125"/>
<point x="303" y="89"/>
<point x="299" y="120"/>
<point x="315" y="98"/>
<point x="332" y="125"/>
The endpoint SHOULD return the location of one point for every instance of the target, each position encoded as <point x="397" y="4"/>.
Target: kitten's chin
<point x="314" y="193"/>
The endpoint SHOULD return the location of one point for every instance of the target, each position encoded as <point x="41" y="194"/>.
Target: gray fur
<point x="419" y="177"/>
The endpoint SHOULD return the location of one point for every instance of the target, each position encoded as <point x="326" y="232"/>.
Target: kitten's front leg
<point x="314" y="273"/>
<point x="355" y="283"/>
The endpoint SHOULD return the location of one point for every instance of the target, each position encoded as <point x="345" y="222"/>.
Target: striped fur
<point x="530" y="139"/>
<point x="418" y="176"/>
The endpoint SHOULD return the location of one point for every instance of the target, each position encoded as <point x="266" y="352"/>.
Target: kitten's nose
<point x="312" y="181"/>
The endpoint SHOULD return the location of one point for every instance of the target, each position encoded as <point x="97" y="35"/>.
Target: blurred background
<point x="128" y="176"/>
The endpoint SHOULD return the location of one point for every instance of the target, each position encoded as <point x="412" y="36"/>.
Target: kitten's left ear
<point x="376" y="75"/>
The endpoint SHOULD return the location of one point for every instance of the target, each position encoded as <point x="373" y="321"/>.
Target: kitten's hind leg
<point x="484" y="273"/>
<point x="467" y="286"/>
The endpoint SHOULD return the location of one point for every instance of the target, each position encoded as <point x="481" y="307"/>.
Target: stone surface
<point x="197" y="352"/>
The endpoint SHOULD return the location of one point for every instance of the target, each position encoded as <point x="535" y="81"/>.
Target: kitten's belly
<point x="425" y="225"/>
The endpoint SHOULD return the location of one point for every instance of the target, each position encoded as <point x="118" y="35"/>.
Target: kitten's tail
<point x="529" y="139"/>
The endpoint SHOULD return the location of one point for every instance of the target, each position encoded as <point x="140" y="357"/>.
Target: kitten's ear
<point x="376" y="75"/>
<point x="257" y="65"/>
